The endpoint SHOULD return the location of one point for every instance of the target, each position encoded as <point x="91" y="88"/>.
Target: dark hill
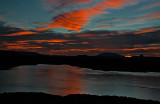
<point x="111" y="55"/>
<point x="104" y="61"/>
<point x="6" y="53"/>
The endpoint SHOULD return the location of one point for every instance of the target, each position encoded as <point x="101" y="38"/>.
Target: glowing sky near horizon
<point x="128" y="27"/>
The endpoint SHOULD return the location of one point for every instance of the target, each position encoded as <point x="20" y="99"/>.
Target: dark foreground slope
<point x="41" y="98"/>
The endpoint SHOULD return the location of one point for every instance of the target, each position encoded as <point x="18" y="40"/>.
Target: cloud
<point x="143" y="48"/>
<point x="102" y="26"/>
<point x="91" y="51"/>
<point x="84" y="35"/>
<point x="61" y="5"/>
<point x="66" y="2"/>
<point x="100" y="32"/>
<point x="139" y="19"/>
<point x="147" y="16"/>
<point x="145" y="30"/>
<point x="85" y="42"/>
<point x="1" y="18"/>
<point x="147" y="50"/>
<point x="47" y="41"/>
<point x="32" y="45"/>
<point x="153" y="15"/>
<point x="142" y="18"/>
<point x="77" y="19"/>
<point x="12" y="31"/>
<point x="21" y="33"/>
<point x="156" y="4"/>
<point x="40" y="23"/>
<point x="18" y="46"/>
<point x="4" y="30"/>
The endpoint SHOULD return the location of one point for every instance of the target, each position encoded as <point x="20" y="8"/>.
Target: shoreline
<point x="9" y="59"/>
<point x="92" y="62"/>
<point x="43" y="98"/>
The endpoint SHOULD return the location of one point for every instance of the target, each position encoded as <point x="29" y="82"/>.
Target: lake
<point x="65" y="79"/>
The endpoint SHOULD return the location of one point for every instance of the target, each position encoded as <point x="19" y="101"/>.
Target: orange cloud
<point x="83" y="50"/>
<point x="113" y="4"/>
<point x="84" y="35"/>
<point x="74" y="20"/>
<point x="19" y="46"/>
<point x="47" y="41"/>
<point x="21" y="33"/>
<point x="77" y="19"/>
<point x="145" y="48"/>
<point x="72" y="43"/>
<point x="85" y="43"/>
<point x="145" y="31"/>
<point x="43" y="28"/>
<point x="22" y="47"/>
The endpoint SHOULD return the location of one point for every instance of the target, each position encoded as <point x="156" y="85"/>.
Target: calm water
<point x="65" y="79"/>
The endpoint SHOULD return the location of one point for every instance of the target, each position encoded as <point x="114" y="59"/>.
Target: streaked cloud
<point x="77" y="19"/>
<point x="149" y="16"/>
<point x="146" y="7"/>
<point x="102" y="26"/>
<point x="18" y="46"/>
<point x="21" y="33"/>
<point x="146" y="30"/>
<point x="73" y="27"/>
<point x="139" y="19"/>
<point x="65" y="2"/>
<point x="47" y="41"/>
<point x="87" y="42"/>
<point x="1" y="18"/>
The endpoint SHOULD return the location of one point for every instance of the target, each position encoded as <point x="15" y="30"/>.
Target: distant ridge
<point x="103" y="61"/>
<point x="17" y="53"/>
<point x="111" y="55"/>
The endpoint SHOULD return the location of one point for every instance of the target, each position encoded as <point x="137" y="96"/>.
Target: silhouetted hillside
<point x="41" y="98"/>
<point x="5" y="53"/>
<point x="111" y="55"/>
<point x="9" y="59"/>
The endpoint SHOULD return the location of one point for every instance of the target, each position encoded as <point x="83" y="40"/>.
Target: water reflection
<point x="65" y="79"/>
<point x="54" y="79"/>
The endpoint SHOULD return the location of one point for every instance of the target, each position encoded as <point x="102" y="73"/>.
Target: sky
<point x="81" y="27"/>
